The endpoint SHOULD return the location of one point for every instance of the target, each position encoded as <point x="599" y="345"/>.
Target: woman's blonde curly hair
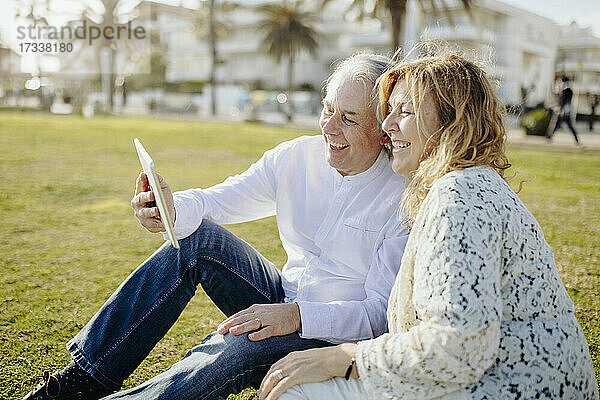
<point x="471" y="115"/>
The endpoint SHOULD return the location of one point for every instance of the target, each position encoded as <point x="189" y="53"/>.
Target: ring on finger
<point x="279" y="374"/>
<point x="259" y="322"/>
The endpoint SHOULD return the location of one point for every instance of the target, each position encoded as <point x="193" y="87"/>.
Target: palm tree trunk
<point x="290" y="87"/>
<point x="108" y="20"/>
<point x="397" y="10"/>
<point x="213" y="51"/>
<point x="113" y="78"/>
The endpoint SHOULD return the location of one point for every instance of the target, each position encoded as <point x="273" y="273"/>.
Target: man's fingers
<point x="249" y="310"/>
<point x="231" y="318"/>
<point x="141" y="183"/>
<point x="239" y="324"/>
<point x="148" y="215"/>
<point x="148" y="212"/>
<point x="161" y="181"/>
<point x="149" y="196"/>
<point x="154" y="225"/>
<point x="264" y="333"/>
<point x="140" y="199"/>
<point x="146" y="197"/>
<point x="230" y="322"/>
<point x="248" y="326"/>
<point x="237" y="318"/>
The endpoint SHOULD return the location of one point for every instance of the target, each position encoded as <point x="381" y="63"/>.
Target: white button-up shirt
<point x="342" y="235"/>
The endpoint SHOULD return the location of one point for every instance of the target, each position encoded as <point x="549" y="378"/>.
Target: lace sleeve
<point x="453" y="259"/>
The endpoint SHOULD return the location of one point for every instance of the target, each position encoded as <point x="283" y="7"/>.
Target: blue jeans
<point x="141" y="311"/>
<point x="567" y="119"/>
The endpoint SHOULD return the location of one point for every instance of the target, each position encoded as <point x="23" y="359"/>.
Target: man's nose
<point x="331" y="125"/>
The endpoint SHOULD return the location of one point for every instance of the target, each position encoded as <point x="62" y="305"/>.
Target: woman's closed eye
<point x="402" y="111"/>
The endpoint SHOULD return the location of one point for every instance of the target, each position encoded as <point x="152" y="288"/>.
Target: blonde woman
<point x="478" y="310"/>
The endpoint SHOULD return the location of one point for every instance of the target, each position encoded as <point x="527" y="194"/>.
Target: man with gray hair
<point x="336" y="200"/>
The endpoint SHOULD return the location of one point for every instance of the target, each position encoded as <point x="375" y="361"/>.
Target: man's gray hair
<point x="360" y="67"/>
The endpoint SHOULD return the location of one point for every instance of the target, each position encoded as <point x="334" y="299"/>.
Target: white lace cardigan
<point x="478" y="310"/>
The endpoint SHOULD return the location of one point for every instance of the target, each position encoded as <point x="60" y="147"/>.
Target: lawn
<point x="69" y="236"/>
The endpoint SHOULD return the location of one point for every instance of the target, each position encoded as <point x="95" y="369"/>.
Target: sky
<point x="584" y="12"/>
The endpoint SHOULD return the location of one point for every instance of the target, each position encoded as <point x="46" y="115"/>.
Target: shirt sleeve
<point x="244" y="197"/>
<point x="351" y="321"/>
<point x="457" y="303"/>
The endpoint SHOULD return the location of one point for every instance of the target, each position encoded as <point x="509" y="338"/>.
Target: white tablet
<point x="159" y="199"/>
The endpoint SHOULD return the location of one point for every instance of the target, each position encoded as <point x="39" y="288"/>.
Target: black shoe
<point x="62" y="386"/>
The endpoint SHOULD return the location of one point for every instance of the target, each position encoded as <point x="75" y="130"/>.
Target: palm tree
<point x="108" y="12"/>
<point x="215" y="30"/>
<point x="213" y="53"/>
<point x="288" y="31"/>
<point x="396" y="9"/>
<point x="36" y="11"/>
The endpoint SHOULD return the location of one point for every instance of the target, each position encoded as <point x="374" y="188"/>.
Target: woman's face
<point x="409" y="143"/>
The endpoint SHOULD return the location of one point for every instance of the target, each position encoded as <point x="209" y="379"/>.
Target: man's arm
<point x="244" y="197"/>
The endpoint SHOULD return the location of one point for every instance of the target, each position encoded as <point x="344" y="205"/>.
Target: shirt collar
<point x="381" y="163"/>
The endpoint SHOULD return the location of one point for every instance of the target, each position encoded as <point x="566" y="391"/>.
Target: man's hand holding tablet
<point x="144" y="205"/>
<point x="153" y="200"/>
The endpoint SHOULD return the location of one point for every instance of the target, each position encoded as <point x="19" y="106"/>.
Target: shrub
<point x="536" y="122"/>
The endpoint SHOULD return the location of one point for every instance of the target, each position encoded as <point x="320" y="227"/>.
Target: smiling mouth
<point x="398" y="145"/>
<point x="338" y="146"/>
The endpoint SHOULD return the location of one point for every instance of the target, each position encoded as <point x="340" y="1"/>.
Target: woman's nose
<point x="390" y="123"/>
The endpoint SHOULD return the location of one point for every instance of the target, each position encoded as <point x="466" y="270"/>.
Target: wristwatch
<point x="350" y="367"/>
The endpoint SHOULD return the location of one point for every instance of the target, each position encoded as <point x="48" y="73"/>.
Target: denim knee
<point x="234" y="349"/>
<point x="210" y="237"/>
<point x="238" y="351"/>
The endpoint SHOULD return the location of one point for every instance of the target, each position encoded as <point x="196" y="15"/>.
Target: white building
<point x="10" y="82"/>
<point x="521" y="46"/>
<point x="9" y="61"/>
<point x="242" y="58"/>
<point x="525" y="51"/>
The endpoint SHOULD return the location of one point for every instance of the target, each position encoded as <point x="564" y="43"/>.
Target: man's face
<point x="350" y="128"/>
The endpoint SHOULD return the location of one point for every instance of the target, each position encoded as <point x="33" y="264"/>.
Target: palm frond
<point x="287" y="30"/>
<point x="396" y="9"/>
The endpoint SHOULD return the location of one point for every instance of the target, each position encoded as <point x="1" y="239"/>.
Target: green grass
<point x="69" y="237"/>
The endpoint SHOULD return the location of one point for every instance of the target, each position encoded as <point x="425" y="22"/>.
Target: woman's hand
<point x="266" y="319"/>
<point x="144" y="206"/>
<point x="314" y="365"/>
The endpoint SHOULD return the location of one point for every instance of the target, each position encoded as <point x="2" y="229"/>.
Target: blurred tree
<point x="287" y="31"/>
<point x="209" y="26"/>
<point x="213" y="56"/>
<point x="109" y="13"/>
<point x="37" y="11"/>
<point x="396" y="10"/>
<point x="102" y="51"/>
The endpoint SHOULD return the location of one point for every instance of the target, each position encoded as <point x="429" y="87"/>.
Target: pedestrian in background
<point x="564" y="114"/>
